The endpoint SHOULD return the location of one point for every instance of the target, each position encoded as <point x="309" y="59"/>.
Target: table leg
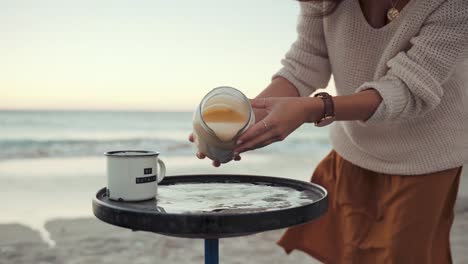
<point x="211" y="251"/>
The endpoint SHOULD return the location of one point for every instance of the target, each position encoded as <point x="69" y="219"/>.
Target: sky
<point x="138" y="55"/>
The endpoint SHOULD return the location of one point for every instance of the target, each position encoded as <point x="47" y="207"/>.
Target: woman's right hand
<point x="259" y="115"/>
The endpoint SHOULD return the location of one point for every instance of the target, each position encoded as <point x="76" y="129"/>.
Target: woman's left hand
<point x="259" y="115"/>
<point x="284" y="115"/>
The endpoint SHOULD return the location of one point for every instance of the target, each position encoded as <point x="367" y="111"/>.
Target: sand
<point x="89" y="241"/>
<point x="80" y="241"/>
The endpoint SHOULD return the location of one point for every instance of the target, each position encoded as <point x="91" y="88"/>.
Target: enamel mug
<point x="132" y="175"/>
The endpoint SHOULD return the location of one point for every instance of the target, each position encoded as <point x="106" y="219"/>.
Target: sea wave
<point x="36" y="134"/>
<point x="11" y="149"/>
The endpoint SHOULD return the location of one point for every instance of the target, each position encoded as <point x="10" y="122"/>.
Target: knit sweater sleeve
<point x="413" y="84"/>
<point x="306" y="64"/>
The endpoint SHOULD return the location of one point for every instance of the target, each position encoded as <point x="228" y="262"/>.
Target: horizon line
<point x="91" y="110"/>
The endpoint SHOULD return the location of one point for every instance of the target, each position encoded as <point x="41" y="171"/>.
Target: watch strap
<point x="328" y="107"/>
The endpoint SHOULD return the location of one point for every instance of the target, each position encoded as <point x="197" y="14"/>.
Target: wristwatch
<point x="328" y="109"/>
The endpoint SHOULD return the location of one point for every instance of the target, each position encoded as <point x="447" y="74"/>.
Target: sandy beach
<point x="87" y="240"/>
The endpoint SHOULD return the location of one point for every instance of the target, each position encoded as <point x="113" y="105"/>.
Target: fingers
<point x="200" y="155"/>
<point x="259" y="128"/>
<point x="260" y="102"/>
<point x="260" y="114"/>
<point x="258" y="141"/>
<point x="216" y="163"/>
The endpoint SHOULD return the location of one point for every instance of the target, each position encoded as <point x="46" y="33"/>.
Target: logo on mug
<point x="148" y="171"/>
<point x="145" y="179"/>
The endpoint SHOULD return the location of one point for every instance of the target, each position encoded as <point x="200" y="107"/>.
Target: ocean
<point x="52" y="163"/>
<point x="39" y="134"/>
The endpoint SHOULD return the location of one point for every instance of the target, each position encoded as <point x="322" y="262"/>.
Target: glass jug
<point x="220" y="118"/>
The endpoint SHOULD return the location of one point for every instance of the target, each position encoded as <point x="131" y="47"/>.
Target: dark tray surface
<point x="217" y="206"/>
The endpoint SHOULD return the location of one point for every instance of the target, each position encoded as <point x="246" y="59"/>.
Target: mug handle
<point x="162" y="170"/>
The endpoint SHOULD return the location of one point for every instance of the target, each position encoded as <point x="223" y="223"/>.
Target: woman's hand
<point x="259" y="115"/>
<point x="201" y="155"/>
<point x="283" y="116"/>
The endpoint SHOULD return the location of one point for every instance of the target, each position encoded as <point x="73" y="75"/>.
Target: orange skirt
<point x="379" y="218"/>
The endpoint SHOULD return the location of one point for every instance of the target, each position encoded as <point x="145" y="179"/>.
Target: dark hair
<point x="333" y="4"/>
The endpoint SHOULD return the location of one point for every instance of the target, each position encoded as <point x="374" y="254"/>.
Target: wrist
<point x="329" y="114"/>
<point x="313" y="109"/>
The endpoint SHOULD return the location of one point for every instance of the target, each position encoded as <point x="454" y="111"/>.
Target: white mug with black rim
<point x="132" y="175"/>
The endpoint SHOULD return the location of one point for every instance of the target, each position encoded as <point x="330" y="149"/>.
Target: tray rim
<point x="322" y="189"/>
<point x="213" y="224"/>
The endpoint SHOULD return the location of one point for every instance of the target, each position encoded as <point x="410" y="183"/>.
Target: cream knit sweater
<point x="416" y="63"/>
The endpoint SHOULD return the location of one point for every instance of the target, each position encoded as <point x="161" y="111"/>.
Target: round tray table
<point x="217" y="206"/>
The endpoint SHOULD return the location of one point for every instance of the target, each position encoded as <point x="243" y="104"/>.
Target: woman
<point x="400" y="135"/>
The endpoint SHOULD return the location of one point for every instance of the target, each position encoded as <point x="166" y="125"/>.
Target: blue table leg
<point x="211" y="251"/>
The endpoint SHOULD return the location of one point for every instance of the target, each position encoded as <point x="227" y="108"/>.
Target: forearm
<point x="279" y="87"/>
<point x="286" y="114"/>
<point x="359" y="106"/>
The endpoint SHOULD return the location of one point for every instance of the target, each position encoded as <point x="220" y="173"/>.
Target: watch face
<point x="325" y="121"/>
